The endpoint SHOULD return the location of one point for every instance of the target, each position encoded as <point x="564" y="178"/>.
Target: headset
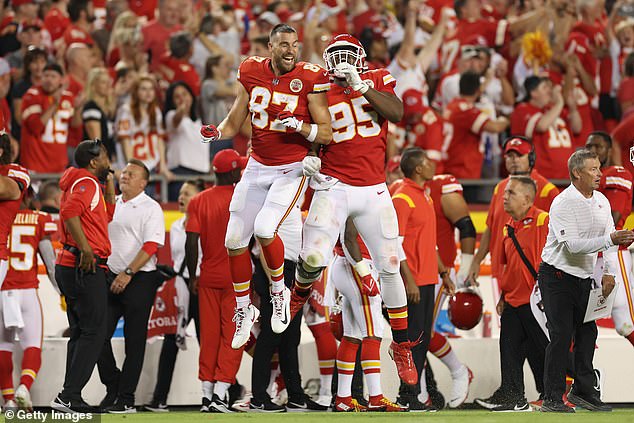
<point x="531" y="154"/>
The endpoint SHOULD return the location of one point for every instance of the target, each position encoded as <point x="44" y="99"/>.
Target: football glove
<point x="287" y="119"/>
<point x="369" y="286"/>
<point x="209" y="133"/>
<point x="311" y="165"/>
<point x="346" y="70"/>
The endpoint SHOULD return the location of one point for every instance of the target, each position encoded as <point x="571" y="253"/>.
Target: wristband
<point x="362" y="268"/>
<point x="312" y="135"/>
<point x="443" y="273"/>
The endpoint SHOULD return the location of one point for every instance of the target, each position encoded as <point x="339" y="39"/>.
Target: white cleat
<point x="281" y="310"/>
<point x="324" y="400"/>
<point x="23" y="398"/>
<point x="460" y="388"/>
<point x="244" y="317"/>
<point x="9" y="405"/>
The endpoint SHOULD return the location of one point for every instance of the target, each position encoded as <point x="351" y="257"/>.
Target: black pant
<point x="420" y="318"/>
<point x="169" y="350"/>
<point x="520" y="333"/>
<point x="565" y="299"/>
<point x="134" y="304"/>
<point x="269" y="342"/>
<point x="86" y="302"/>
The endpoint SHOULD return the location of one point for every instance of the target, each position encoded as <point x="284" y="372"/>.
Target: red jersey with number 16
<point x="29" y="228"/>
<point x="356" y="155"/>
<point x="9" y="208"/>
<point x="272" y="143"/>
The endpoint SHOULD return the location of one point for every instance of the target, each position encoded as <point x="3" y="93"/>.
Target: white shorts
<point x="31" y="334"/>
<point x="261" y="201"/>
<point x="373" y="214"/>
<point x="623" y="309"/>
<point x="361" y="314"/>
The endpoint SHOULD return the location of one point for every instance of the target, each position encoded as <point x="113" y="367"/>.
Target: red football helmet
<point x="465" y="308"/>
<point x="345" y="48"/>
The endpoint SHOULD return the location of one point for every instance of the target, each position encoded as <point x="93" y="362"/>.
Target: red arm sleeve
<point x="31" y="114"/>
<point x="150" y="247"/>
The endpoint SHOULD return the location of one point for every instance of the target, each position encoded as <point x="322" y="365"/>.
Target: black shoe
<point x="236" y="392"/>
<point x="520" y="406"/>
<point x="206" y="404"/>
<point x="156" y="407"/>
<point x="495" y="400"/>
<point x="415" y="406"/>
<point x="265" y="407"/>
<point x="73" y="406"/>
<point x="218" y="405"/>
<point x="304" y="404"/>
<point x="550" y="406"/>
<point x="589" y="403"/>
<point x="109" y="400"/>
<point x="121" y="407"/>
<point x="437" y="399"/>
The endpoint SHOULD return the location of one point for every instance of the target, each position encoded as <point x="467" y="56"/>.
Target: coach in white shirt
<point x="580" y="226"/>
<point x="136" y="232"/>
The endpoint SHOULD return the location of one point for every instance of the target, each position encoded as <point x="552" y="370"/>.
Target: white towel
<point x="11" y="312"/>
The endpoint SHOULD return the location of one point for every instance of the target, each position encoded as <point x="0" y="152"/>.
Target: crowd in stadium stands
<point x="144" y="76"/>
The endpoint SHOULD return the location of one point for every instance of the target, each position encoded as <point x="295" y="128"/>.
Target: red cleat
<point x="402" y="356"/>
<point x="297" y="302"/>
<point x="384" y="404"/>
<point x="348" y="404"/>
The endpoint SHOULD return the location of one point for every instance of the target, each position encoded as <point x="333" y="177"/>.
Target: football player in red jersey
<point x="30" y="235"/>
<point x="616" y="185"/>
<point x="283" y="97"/>
<point x="361" y="103"/>
<point x="14" y="182"/>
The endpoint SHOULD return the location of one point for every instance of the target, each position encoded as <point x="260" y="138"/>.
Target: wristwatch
<point x="128" y="271"/>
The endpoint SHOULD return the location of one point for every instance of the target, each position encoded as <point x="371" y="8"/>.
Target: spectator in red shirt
<point x="33" y="71"/>
<point x="625" y="93"/>
<point x="465" y="153"/>
<point x="56" y="20"/>
<point x="81" y="267"/>
<point x="543" y="119"/>
<point x="10" y="22"/>
<point x="82" y="16"/>
<point x="156" y="33"/>
<point x="174" y="64"/>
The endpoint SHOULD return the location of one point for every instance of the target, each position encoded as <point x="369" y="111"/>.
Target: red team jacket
<point x="356" y="155"/>
<point x="268" y="96"/>
<point x="9" y="208"/>
<point x="29" y="228"/>
<point x="82" y="196"/>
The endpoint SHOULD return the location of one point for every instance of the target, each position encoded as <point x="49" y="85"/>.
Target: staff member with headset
<point x="81" y="266"/>
<point x="137" y="231"/>
<point x="580" y="226"/>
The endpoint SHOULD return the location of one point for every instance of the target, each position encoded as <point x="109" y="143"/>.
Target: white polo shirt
<point x="579" y="228"/>
<point x="134" y="223"/>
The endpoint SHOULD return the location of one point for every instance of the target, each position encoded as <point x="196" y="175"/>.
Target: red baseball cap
<point x="413" y="102"/>
<point x="393" y="164"/>
<point x="31" y="23"/>
<point x="518" y="145"/>
<point x="228" y="160"/>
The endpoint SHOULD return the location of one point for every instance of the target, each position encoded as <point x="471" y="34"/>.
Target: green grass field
<point x="619" y="415"/>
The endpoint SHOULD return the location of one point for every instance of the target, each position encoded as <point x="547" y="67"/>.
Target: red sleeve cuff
<point x="150" y="247"/>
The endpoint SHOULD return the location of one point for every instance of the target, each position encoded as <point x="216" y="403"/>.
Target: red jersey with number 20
<point x="356" y="155"/>
<point x="9" y="208"/>
<point x="272" y="143"/>
<point x="29" y="228"/>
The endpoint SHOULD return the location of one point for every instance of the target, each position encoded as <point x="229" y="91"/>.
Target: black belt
<point x="75" y="251"/>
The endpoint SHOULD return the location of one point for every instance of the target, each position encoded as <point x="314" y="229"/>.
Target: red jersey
<point x="56" y="22"/>
<point x="497" y="217"/>
<point x="41" y="142"/>
<point x="5" y="115"/>
<point x="29" y="228"/>
<point x="417" y="224"/>
<point x="485" y="31"/>
<point x="146" y="8"/>
<point x="172" y="70"/>
<point x="552" y="147"/>
<point x="82" y="196"/>
<point x="156" y="39"/>
<point x="465" y="153"/>
<point x="623" y="134"/>
<point x="74" y="34"/>
<point x="517" y="282"/>
<point x="357" y="131"/>
<point x="616" y="185"/>
<point x="445" y="230"/>
<point x="209" y="210"/>
<point x="271" y="142"/>
<point x="9" y="208"/>
<point x="428" y="134"/>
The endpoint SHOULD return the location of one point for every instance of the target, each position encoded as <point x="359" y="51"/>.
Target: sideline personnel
<point x="580" y="226"/>
<point x="81" y="266"/>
